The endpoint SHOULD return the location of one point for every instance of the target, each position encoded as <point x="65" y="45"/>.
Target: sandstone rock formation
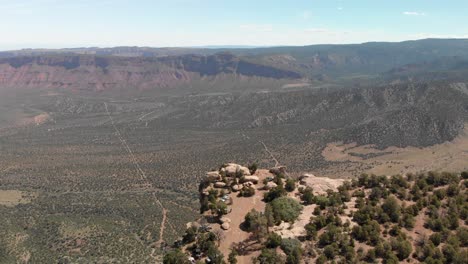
<point x="270" y="185"/>
<point x="212" y="176"/>
<point x="232" y="169"/>
<point x="252" y="179"/>
<point x="320" y="185"/>
<point x="220" y="184"/>
<point x="236" y="187"/>
<point x="278" y="170"/>
<point x="303" y="178"/>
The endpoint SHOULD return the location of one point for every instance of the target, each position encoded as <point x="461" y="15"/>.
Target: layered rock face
<point x="106" y="73"/>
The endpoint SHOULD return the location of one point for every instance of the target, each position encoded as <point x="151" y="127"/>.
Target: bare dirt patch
<point x="295" y="85"/>
<point x="14" y="197"/>
<point x="448" y="156"/>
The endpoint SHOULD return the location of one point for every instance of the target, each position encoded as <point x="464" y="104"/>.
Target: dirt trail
<point x="142" y="177"/>
<point x="145" y="115"/>
<point x="163" y="222"/>
<point x="271" y="154"/>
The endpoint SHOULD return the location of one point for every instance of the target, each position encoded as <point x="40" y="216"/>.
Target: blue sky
<point x="158" y="23"/>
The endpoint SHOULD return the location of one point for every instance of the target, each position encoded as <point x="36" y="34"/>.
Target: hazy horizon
<point x="220" y="46"/>
<point x="52" y="24"/>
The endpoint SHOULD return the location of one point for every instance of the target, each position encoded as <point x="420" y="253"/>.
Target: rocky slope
<point x="391" y="115"/>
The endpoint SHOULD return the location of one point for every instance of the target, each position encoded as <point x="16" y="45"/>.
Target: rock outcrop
<point x="237" y="187"/>
<point x="320" y="185"/>
<point x="252" y="179"/>
<point x="232" y="170"/>
<point x="270" y="185"/>
<point x="212" y="176"/>
<point x="278" y="170"/>
<point x="220" y="184"/>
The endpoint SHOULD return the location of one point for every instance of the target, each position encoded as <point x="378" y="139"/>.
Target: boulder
<point x="270" y="185"/>
<point x="278" y="170"/>
<point x="224" y="219"/>
<point x="220" y="184"/>
<point x="225" y="226"/>
<point x="236" y="188"/>
<point x="212" y="176"/>
<point x="231" y="170"/>
<point x="252" y="179"/>
<point x="303" y="178"/>
<point x="207" y="190"/>
<point x="193" y="224"/>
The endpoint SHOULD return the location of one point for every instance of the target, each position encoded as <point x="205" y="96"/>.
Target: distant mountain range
<point x="144" y="68"/>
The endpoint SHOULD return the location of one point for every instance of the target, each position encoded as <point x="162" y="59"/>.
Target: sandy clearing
<point x="12" y="198"/>
<point x="448" y="156"/>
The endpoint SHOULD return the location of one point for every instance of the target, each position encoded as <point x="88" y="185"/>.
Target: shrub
<point x="311" y="231"/>
<point x="308" y="196"/>
<point x="391" y="207"/>
<point x="408" y="221"/>
<point x="288" y="245"/>
<point x="219" y="208"/>
<point x="331" y="251"/>
<point x="293" y="250"/>
<point x="254" y="220"/>
<point x="269" y="215"/>
<point x="295" y="256"/>
<point x="247" y="191"/>
<point x="253" y="168"/>
<point x="215" y="255"/>
<point x="370" y="257"/>
<point x="268" y="256"/>
<point x="402" y="248"/>
<point x="462" y="235"/>
<point x="175" y="257"/>
<point x="286" y="209"/>
<point x="321" y="259"/>
<point x="322" y="201"/>
<point x="232" y="258"/>
<point x="204" y="204"/>
<point x="274" y="193"/>
<point x="274" y="240"/>
<point x="464" y="175"/>
<point x="290" y="185"/>
<point x="436" y="238"/>
<point x="190" y="235"/>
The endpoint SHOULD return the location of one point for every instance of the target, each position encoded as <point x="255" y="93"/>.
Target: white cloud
<point x="438" y="36"/>
<point x="257" y="27"/>
<point x="413" y="13"/>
